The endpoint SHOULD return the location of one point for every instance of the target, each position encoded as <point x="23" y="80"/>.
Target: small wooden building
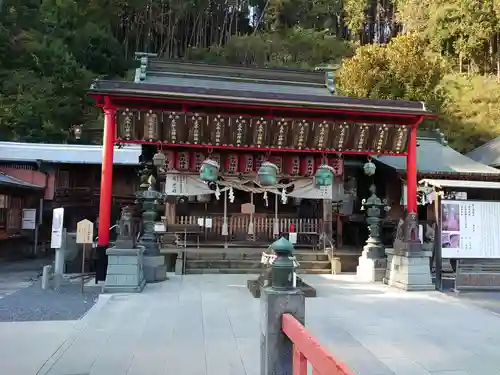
<point x="15" y="195"/>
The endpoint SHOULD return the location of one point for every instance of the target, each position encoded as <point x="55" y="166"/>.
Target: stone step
<point x="222" y="264"/>
<point x="198" y="271"/>
<point x="250" y="264"/>
<point x="301" y="256"/>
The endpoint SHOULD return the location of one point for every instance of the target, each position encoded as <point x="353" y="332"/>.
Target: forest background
<point x="444" y="52"/>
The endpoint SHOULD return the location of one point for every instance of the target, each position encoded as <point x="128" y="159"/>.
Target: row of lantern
<point x="234" y="163"/>
<point x="267" y="174"/>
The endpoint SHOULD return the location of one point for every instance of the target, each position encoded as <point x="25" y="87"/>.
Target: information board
<point x="84" y="231"/>
<point x="470" y="229"/>
<point x="57" y="228"/>
<point x="29" y="219"/>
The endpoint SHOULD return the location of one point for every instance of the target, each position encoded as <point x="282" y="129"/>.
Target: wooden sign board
<point x="84" y="232"/>
<point x="247" y="208"/>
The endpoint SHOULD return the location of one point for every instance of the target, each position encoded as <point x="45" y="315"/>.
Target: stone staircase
<point x="248" y="262"/>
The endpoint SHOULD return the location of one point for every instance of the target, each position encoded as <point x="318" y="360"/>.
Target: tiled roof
<point x="435" y="158"/>
<point x="243" y="85"/>
<point x="488" y="154"/>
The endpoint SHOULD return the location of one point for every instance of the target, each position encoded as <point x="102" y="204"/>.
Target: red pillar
<point x="411" y="171"/>
<point x="106" y="195"/>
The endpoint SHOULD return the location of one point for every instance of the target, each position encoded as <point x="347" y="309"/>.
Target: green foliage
<point x="49" y="54"/>
<point x="473" y="109"/>
<point x="401" y="69"/>
<point x="447" y="53"/>
<point x="295" y="48"/>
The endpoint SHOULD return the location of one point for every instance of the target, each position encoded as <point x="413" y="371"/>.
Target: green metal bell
<point x="209" y="171"/>
<point x="324" y="176"/>
<point x="267" y="174"/>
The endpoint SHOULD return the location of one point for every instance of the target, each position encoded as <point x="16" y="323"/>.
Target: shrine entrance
<point x="249" y="130"/>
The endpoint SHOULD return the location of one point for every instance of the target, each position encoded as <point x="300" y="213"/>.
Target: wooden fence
<point x="263" y="226"/>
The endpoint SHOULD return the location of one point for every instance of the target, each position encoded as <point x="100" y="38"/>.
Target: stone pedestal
<point x="125" y="272"/>
<point x="179" y="264"/>
<point x="276" y="350"/>
<point x="155" y="268"/>
<point x="371" y="266"/>
<point x="409" y="270"/>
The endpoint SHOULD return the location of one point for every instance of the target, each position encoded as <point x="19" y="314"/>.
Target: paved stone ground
<point x="209" y="325"/>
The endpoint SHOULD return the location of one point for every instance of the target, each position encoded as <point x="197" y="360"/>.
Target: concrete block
<point x="410" y="271"/>
<point x="371" y="269"/>
<point x="121" y="269"/>
<point x="155" y="268"/>
<point x="179" y="264"/>
<point x="125" y="271"/>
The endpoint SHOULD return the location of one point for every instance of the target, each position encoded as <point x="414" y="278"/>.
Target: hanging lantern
<point x="159" y="159"/>
<point x="324" y="176"/>
<point x="369" y="168"/>
<point x="267" y="174"/>
<point x="209" y="171"/>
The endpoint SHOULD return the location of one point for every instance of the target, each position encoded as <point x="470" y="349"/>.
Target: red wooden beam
<point x="305" y="345"/>
<point x="261" y="149"/>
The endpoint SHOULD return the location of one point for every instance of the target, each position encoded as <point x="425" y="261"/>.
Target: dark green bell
<point x="324" y="176"/>
<point x="267" y="174"/>
<point x="209" y="171"/>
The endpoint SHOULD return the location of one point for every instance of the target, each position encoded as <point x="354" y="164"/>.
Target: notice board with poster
<point x="470" y="229"/>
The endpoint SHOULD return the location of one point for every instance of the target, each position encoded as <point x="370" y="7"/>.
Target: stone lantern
<point x="372" y="262"/>
<point x="267" y="174"/>
<point x="324" y="176"/>
<point x="375" y="209"/>
<point x="209" y="171"/>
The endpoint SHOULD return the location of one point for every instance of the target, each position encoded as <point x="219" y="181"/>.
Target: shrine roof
<point x="433" y="157"/>
<point x="65" y="154"/>
<point x="488" y="154"/>
<point x="9" y="181"/>
<point x="157" y="79"/>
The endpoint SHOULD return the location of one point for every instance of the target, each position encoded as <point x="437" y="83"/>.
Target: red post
<point x="106" y="195"/>
<point x="411" y="171"/>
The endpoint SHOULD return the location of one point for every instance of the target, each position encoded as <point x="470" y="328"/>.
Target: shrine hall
<point x="251" y="154"/>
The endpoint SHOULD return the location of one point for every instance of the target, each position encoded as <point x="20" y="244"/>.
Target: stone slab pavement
<point x="209" y="325"/>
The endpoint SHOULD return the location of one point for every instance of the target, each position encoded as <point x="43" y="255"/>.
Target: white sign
<point x="29" y="219"/>
<point x="470" y="229"/>
<point x="84" y="231"/>
<point x="184" y="185"/>
<point x="57" y="228"/>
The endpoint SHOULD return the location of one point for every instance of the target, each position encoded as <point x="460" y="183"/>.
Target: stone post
<point x="276" y="355"/>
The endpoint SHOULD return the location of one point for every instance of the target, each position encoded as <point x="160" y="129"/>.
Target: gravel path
<point x="31" y="303"/>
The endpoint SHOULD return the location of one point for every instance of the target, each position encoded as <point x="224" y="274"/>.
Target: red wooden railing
<point x="307" y="349"/>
